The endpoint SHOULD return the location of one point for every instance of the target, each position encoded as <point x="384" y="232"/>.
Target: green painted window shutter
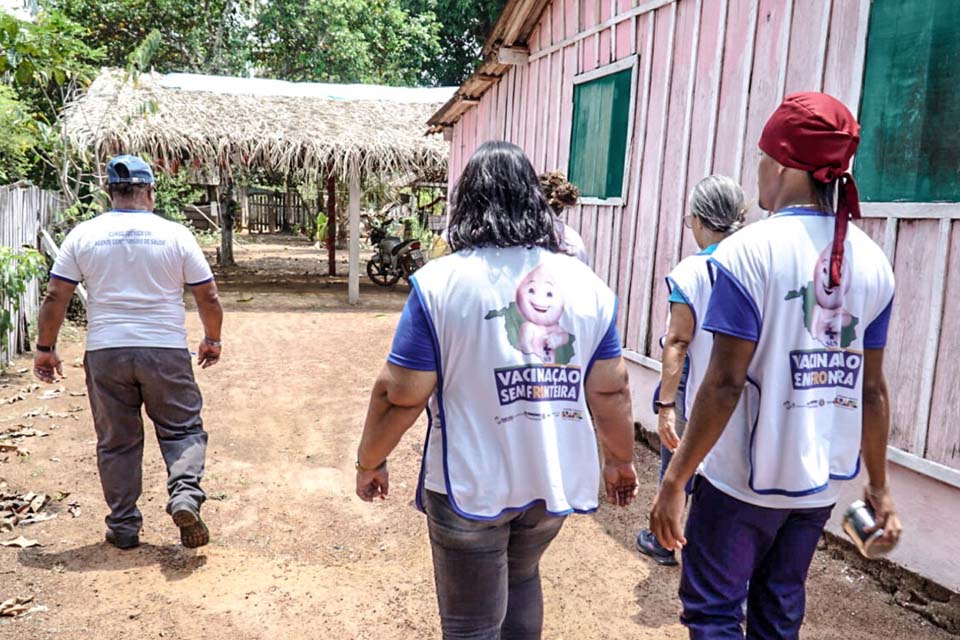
<point x="598" y="143"/>
<point x="910" y="138"/>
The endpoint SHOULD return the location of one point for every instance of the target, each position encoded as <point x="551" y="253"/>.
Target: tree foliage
<point x="396" y="42"/>
<point x="208" y="36"/>
<point x="18" y="267"/>
<point x="464" y="26"/>
<point x="370" y="41"/>
<point x="18" y="141"/>
<point x="46" y="63"/>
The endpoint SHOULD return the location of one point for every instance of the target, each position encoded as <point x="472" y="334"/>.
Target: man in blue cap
<point x="135" y="265"/>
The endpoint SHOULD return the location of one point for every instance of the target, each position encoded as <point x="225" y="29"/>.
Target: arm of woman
<point x="715" y="402"/>
<point x="675" y="346"/>
<point x="398" y="398"/>
<point x="608" y="397"/>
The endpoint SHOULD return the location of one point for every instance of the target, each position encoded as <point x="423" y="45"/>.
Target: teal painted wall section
<point x="911" y="104"/>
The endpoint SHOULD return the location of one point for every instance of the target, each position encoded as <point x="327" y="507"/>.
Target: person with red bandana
<point x="799" y="311"/>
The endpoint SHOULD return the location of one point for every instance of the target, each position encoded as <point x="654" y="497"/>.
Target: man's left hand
<point x="207" y="354"/>
<point x="47" y="366"/>
<point x="666" y="514"/>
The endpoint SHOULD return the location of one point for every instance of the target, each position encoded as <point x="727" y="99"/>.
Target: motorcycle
<point x="394" y="257"/>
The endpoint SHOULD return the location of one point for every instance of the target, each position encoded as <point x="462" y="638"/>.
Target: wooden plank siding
<point x="709" y="74"/>
<point x="943" y="444"/>
<point x="24" y="213"/>
<point x="916" y="244"/>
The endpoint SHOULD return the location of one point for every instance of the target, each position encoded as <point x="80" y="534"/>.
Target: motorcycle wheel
<point x="380" y="274"/>
<point x="408" y="267"/>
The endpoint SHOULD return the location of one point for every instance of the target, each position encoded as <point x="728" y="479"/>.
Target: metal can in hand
<point x="859" y="524"/>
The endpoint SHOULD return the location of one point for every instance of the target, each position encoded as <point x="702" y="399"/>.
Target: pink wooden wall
<point x="710" y="73"/>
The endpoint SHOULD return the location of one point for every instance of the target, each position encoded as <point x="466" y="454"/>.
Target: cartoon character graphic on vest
<point x="823" y="314"/>
<point x="533" y="319"/>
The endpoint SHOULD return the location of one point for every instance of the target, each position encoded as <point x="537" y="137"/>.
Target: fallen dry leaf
<point x="15" y="606"/>
<point x="60" y="496"/>
<point x="78" y="394"/>
<point x="34" y="518"/>
<point x="23" y="433"/>
<point x="74" y="509"/>
<point x="21" y="542"/>
<point x="37" y="502"/>
<point x="50" y="394"/>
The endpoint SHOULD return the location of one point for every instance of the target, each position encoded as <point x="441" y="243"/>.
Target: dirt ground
<point x="294" y="553"/>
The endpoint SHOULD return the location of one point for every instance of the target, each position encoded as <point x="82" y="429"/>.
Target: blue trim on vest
<point x="443" y="439"/>
<point x="197" y="284"/>
<point x="785" y="492"/>
<point x="423" y="462"/>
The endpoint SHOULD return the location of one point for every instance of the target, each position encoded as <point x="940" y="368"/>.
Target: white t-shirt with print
<point x="804" y="400"/>
<point x="134" y="265"/>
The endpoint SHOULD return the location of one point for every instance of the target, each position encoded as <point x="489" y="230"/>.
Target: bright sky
<point x="267" y="87"/>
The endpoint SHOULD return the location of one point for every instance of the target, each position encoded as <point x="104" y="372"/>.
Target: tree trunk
<point x="332" y="223"/>
<point x="226" y="223"/>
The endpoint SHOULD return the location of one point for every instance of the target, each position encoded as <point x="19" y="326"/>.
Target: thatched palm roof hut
<point x="251" y="122"/>
<point x="216" y="125"/>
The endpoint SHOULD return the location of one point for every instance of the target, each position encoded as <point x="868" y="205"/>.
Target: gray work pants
<point x="487" y="572"/>
<point x="119" y="381"/>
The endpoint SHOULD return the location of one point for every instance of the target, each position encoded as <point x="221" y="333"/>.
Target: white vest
<point x="515" y="330"/>
<point x="691" y="279"/>
<point x="805" y="393"/>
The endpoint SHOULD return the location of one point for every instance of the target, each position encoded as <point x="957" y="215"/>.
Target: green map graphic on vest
<point x="823" y="314"/>
<point x="532" y="320"/>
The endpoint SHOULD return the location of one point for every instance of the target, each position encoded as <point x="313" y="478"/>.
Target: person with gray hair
<point x="717" y="210"/>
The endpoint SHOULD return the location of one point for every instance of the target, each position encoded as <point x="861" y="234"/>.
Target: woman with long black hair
<point x="512" y="347"/>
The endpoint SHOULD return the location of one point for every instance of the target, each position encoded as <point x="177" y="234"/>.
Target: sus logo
<point x="533" y="319"/>
<point x="823" y="314"/>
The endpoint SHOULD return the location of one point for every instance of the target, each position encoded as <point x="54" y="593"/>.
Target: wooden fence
<point x="278" y="211"/>
<point x="24" y="212"/>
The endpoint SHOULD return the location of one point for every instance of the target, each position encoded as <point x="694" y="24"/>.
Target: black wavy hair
<point x="498" y="202"/>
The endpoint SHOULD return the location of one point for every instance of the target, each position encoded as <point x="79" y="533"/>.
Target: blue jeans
<point x="738" y="551"/>
<point x="487" y="572"/>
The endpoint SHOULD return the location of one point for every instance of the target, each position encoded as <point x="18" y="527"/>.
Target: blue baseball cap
<point x="128" y="170"/>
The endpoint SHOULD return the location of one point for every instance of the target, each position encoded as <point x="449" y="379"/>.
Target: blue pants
<point x="738" y="551"/>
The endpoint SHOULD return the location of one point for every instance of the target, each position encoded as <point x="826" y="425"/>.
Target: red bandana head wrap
<point x="814" y="132"/>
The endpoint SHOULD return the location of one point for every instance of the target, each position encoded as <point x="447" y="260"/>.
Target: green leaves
<point x="17" y="269"/>
<point x="369" y="41"/>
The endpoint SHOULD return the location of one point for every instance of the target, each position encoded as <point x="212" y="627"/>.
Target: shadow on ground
<point x="175" y="562"/>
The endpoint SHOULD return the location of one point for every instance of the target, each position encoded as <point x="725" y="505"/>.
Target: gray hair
<point x="718" y="202"/>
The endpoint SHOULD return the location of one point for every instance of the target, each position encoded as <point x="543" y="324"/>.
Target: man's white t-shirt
<point x="134" y="265"/>
<point x="804" y="398"/>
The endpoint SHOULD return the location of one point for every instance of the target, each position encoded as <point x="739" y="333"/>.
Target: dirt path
<point x="295" y="554"/>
